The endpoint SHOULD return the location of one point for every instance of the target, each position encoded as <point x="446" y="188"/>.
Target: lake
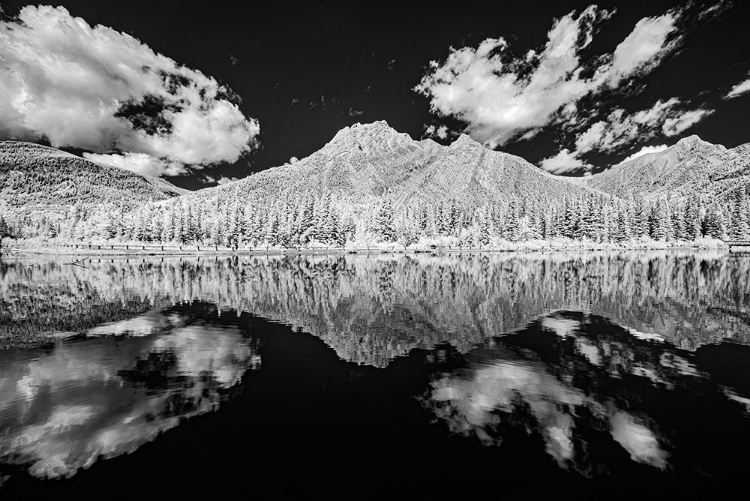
<point x="566" y="375"/>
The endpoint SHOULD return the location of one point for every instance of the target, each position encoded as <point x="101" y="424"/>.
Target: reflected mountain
<point x="620" y="367"/>
<point x="371" y="309"/>
<point x="115" y="388"/>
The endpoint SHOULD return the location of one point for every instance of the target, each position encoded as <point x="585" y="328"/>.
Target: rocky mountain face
<point x="690" y="166"/>
<point x="38" y="177"/>
<point x="364" y="162"/>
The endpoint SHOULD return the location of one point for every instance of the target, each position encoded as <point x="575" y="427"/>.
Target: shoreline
<point x="29" y="249"/>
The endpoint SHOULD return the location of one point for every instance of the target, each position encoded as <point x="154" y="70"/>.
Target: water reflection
<point x="105" y="394"/>
<point x="373" y="309"/>
<point x="600" y="362"/>
<point x="570" y="370"/>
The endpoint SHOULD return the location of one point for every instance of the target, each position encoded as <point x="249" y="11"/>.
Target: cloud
<point x="643" y="48"/>
<point x="441" y="131"/>
<point x="501" y="97"/>
<point x="104" y="91"/>
<point x="140" y="163"/>
<point x="739" y="89"/>
<point x="646" y="150"/>
<point x="221" y="180"/>
<point x="621" y="129"/>
<point x="678" y="124"/>
<point x="564" y="161"/>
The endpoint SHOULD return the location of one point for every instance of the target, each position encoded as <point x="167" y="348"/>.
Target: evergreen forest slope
<point x="689" y="166"/>
<point x="35" y="177"/>
<point x="371" y="184"/>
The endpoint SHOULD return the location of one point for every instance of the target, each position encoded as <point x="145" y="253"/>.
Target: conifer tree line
<point x="308" y="219"/>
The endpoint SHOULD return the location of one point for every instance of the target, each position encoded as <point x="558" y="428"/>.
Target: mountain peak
<point x="691" y="141"/>
<point x="368" y="138"/>
<point x="377" y="124"/>
<point x="465" y="141"/>
<point x="686" y="144"/>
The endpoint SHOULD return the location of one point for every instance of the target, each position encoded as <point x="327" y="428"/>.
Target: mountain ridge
<point x="691" y="165"/>
<point x="37" y="177"/>
<point x="364" y="161"/>
<point x="371" y="184"/>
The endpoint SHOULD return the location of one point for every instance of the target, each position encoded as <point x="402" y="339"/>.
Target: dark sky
<point x="305" y="70"/>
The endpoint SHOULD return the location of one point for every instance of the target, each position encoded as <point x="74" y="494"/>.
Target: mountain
<point x="365" y="161"/>
<point x="38" y="177"/>
<point x="371" y="184"/>
<point x="689" y="166"/>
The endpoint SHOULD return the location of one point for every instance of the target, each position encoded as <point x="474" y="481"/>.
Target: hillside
<point x="689" y="166"/>
<point x="38" y="177"/>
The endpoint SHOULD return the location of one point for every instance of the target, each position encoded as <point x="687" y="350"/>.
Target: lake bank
<point x="140" y="249"/>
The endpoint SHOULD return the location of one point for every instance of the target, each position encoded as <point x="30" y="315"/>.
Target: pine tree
<point x="693" y="221"/>
<point x="485" y="225"/>
<point x="739" y="223"/>
<point x="511" y="228"/>
<point x="679" y="213"/>
<point x="622" y="227"/>
<point x="567" y="225"/>
<point x="383" y="224"/>
<point x="714" y="224"/>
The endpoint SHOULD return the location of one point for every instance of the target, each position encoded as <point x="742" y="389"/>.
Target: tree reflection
<point x="372" y="309"/>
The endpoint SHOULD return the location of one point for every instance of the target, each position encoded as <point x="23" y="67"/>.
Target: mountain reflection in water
<point x="605" y="365"/>
<point x="64" y="408"/>
<point x="370" y="309"/>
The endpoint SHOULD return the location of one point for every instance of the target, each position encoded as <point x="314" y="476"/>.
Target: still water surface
<point x="355" y="376"/>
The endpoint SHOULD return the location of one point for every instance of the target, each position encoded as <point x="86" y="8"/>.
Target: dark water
<point x="580" y="375"/>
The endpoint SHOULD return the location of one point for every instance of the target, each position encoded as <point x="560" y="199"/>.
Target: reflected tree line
<point x="373" y="309"/>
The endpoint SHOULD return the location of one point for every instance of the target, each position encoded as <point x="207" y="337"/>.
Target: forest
<point x="308" y="219"/>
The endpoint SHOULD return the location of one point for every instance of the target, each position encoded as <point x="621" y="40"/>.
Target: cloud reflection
<point x="521" y="379"/>
<point x="99" y="398"/>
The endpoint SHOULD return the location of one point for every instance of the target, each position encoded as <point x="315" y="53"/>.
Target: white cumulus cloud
<point x="140" y="163"/>
<point x="104" y="91"/>
<point x="501" y="97"/>
<point x="646" y="150"/>
<point x="621" y="129"/>
<point x="739" y="89"/>
<point x="680" y="123"/>
<point x="564" y="161"/>
<point x="437" y="131"/>
<point x="221" y="180"/>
